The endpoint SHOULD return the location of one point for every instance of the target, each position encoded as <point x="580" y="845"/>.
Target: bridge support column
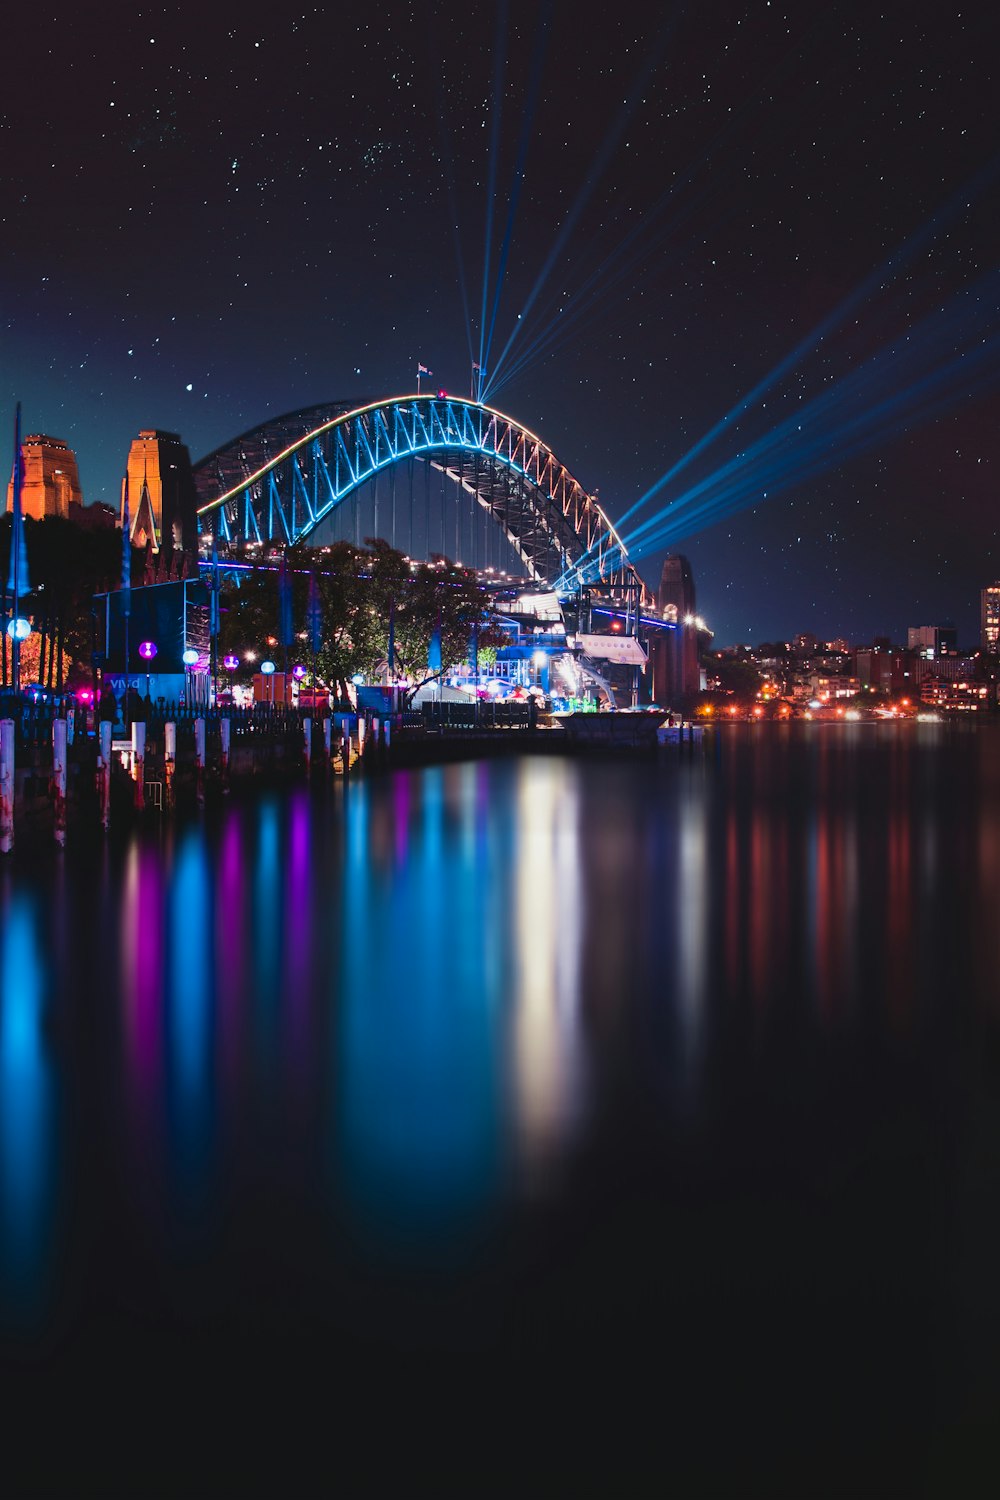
<point x="104" y="774"/>
<point x="139" y="764"/>
<point x="6" y="785"/>
<point x="199" y="761"/>
<point x="225" y="729"/>
<point x="169" y="760"/>
<point x="59" y="738"/>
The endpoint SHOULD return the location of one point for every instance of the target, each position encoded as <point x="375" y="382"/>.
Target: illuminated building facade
<point x="989" y="637"/>
<point x="162" y="499"/>
<point x="51" y="484"/>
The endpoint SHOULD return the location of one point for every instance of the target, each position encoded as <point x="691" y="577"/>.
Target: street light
<point x="189" y="658"/>
<point x="267" y="667"/>
<point x="147" y="650"/>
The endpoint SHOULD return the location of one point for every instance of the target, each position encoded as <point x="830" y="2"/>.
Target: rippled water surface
<point x="521" y="1125"/>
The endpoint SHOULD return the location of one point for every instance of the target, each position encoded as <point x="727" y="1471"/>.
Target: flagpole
<point x="213" y="615"/>
<point x="126" y="589"/>
<point x="18" y="578"/>
<point x="17" y="525"/>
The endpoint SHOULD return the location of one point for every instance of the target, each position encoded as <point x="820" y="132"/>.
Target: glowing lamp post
<point x="189" y="658"/>
<point x="19" y="628"/>
<point x="147" y="650"/>
<point x="267" y="667"/>
<point x="230" y="662"/>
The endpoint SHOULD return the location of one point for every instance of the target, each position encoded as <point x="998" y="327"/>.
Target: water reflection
<point x="416" y="1081"/>
<point x="28" y="1150"/>
<point x="404" y="1004"/>
<point x="550" y="913"/>
<point x="189" y="1003"/>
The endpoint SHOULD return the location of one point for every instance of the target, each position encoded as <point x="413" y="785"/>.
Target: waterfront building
<point x="963" y="695"/>
<point x="989" y="616"/>
<point x="162" y="497"/>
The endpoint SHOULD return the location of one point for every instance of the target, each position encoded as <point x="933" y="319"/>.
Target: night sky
<point x="214" y="216"/>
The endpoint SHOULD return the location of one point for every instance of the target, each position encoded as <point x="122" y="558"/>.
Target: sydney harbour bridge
<point x="276" y="484"/>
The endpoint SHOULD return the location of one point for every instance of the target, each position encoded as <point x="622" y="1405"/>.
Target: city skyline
<point x="203" y="232"/>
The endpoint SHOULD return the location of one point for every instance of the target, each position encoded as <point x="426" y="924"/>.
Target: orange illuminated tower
<point x="162" y="500"/>
<point x="51" y="482"/>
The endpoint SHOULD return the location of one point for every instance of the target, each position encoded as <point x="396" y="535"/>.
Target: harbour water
<point x="516" y="1126"/>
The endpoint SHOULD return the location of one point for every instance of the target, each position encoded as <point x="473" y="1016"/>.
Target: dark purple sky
<point x="210" y="217"/>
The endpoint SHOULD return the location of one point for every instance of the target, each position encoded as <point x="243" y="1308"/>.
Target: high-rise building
<point x="932" y="641"/>
<point x="989" y="618"/>
<point x="50" y="483"/>
<point x="674" y="653"/>
<point x="162" y="499"/>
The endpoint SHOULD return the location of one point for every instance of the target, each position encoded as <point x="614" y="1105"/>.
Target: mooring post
<point x="6" y="785"/>
<point x="59" y="741"/>
<point x="169" y="759"/>
<point x="327" y="761"/>
<point x="139" y="763"/>
<point x="104" y="773"/>
<point x="307" y="737"/>
<point x="70" y="725"/>
<point x="388" y="737"/>
<point x="225" y="729"/>
<point x="362" y="726"/>
<point x="199" y="761"/>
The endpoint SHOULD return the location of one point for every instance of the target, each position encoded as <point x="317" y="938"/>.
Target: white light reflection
<point x="27" y="1126"/>
<point x="549" y="924"/>
<point x="692" y="928"/>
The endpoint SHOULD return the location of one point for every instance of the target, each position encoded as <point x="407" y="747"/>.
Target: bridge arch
<point x="278" y="482"/>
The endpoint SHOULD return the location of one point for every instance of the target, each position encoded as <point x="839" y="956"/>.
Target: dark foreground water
<point x="529" y="1126"/>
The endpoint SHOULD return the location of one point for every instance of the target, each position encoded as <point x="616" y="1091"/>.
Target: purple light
<point x="230" y="663"/>
<point x="298" y="673"/>
<point x="147" y="650"/>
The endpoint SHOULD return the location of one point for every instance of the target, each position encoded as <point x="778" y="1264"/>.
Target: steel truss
<point x="275" y="485"/>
